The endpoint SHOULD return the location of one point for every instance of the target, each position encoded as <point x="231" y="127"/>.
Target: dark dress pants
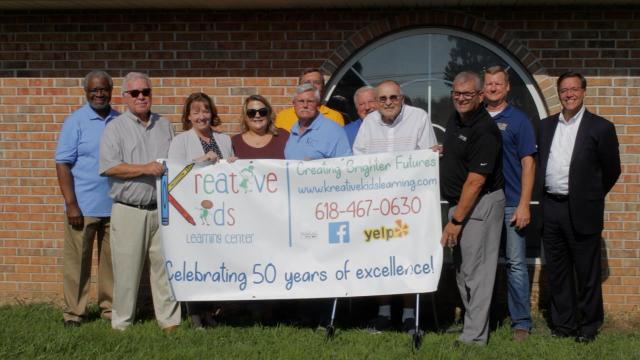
<point x="566" y="252"/>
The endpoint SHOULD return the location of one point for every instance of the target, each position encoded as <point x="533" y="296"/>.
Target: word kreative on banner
<point x="223" y="183"/>
<point x="270" y="229"/>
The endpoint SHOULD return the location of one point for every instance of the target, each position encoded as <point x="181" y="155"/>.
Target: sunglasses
<point x="392" y="98"/>
<point x="252" y="112"/>
<point x="135" y="93"/>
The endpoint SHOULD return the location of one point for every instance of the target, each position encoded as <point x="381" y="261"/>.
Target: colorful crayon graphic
<point x="164" y="194"/>
<point x="181" y="210"/>
<point x="166" y="197"/>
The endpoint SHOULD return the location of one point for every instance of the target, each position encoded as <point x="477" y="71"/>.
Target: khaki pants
<point x="135" y="238"/>
<point x="78" y="253"/>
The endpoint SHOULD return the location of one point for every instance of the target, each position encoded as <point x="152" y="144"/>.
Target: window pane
<point x="424" y="62"/>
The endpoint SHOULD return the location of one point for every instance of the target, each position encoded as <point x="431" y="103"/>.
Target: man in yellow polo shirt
<point x="287" y="117"/>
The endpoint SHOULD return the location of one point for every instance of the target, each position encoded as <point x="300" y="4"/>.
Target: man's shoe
<point x="71" y="323"/>
<point x="520" y="335"/>
<point x="379" y="324"/>
<point x="585" y="339"/>
<point x="409" y="326"/>
<point x="558" y="334"/>
<point x="170" y="329"/>
<point x="106" y="315"/>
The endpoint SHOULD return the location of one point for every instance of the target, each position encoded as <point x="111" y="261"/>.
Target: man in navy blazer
<point x="579" y="164"/>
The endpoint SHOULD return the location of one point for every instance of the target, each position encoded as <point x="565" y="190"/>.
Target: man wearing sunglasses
<point x="395" y="126"/>
<point x="86" y="198"/>
<point x="471" y="180"/>
<point x="130" y="145"/>
<point x="287" y="118"/>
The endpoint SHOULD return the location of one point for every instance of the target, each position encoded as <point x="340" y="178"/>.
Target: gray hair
<point x="361" y="90"/>
<point x="392" y="82"/>
<point x="134" y="76"/>
<point x="467" y="76"/>
<point x="302" y="88"/>
<point x="97" y="74"/>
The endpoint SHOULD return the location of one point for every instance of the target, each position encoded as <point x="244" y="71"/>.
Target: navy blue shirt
<point x="352" y="130"/>
<point x="518" y="141"/>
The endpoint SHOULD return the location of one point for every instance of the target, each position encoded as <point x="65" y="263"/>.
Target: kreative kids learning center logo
<point x="206" y="185"/>
<point x="400" y="229"/>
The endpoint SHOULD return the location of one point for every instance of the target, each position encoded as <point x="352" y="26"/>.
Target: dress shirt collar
<point x="396" y="120"/>
<point x="152" y="119"/>
<point x="576" y="118"/>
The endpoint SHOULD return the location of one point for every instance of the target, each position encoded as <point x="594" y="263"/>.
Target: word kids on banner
<point x="280" y="229"/>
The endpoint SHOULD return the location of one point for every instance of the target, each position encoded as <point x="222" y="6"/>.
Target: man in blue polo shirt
<point x="519" y="147"/>
<point x="86" y="197"/>
<point x="366" y="102"/>
<point x="314" y="136"/>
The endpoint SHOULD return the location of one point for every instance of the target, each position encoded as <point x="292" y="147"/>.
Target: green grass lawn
<point x="36" y="332"/>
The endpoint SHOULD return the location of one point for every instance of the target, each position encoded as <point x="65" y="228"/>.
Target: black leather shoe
<point x="585" y="339"/>
<point x="71" y="323"/>
<point x="558" y="334"/>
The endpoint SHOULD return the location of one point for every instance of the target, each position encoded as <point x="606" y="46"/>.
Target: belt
<point x="141" y="207"/>
<point x="556" y="197"/>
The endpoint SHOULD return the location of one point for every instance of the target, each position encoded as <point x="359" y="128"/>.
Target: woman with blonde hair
<point x="260" y="138"/>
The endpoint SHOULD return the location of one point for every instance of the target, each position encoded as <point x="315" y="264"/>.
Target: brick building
<point x="229" y="54"/>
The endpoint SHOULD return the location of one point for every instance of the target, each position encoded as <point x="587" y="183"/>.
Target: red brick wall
<point x="44" y="55"/>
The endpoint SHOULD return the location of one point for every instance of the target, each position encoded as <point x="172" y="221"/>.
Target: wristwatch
<point x="455" y="222"/>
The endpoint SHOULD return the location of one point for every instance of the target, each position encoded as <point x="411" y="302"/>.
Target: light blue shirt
<point x="322" y="139"/>
<point x="79" y="146"/>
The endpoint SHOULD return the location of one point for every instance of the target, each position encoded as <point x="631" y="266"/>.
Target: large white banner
<point x="275" y="229"/>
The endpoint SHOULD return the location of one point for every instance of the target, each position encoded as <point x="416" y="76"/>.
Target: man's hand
<point x="521" y="217"/>
<point x="153" y="168"/>
<point x="74" y="216"/>
<point x="450" y="235"/>
<point x="438" y="148"/>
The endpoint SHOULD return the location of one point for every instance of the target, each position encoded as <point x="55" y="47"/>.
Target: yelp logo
<point x="400" y="229"/>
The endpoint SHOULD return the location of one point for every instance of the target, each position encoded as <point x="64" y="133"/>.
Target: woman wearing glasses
<point x="199" y="142"/>
<point x="260" y="139"/>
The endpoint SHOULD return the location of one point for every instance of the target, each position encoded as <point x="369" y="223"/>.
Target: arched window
<point x="424" y="61"/>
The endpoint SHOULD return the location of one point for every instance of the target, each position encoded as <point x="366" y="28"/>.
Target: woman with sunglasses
<point x="260" y="139"/>
<point x="199" y="142"/>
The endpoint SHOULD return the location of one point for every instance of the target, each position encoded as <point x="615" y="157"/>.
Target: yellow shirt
<point x="287" y="117"/>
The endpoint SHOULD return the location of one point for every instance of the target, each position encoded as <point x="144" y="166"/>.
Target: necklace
<point x="256" y="141"/>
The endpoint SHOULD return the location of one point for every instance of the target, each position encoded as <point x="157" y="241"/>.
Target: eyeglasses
<point x="304" y="102"/>
<point x="135" y="93"/>
<point x="98" y="90"/>
<point x="392" y="98"/>
<point x="465" y="95"/>
<point x="262" y="112"/>
<point x="573" y="90"/>
<point x="314" y="82"/>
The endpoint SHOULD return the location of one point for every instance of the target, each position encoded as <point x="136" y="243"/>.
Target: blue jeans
<point x="517" y="274"/>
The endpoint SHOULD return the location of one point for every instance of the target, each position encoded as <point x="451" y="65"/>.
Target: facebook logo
<point x="339" y="232"/>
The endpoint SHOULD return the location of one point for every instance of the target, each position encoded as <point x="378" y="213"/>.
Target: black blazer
<point x="594" y="168"/>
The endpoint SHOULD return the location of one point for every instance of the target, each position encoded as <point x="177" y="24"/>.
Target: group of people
<point x="107" y="170"/>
